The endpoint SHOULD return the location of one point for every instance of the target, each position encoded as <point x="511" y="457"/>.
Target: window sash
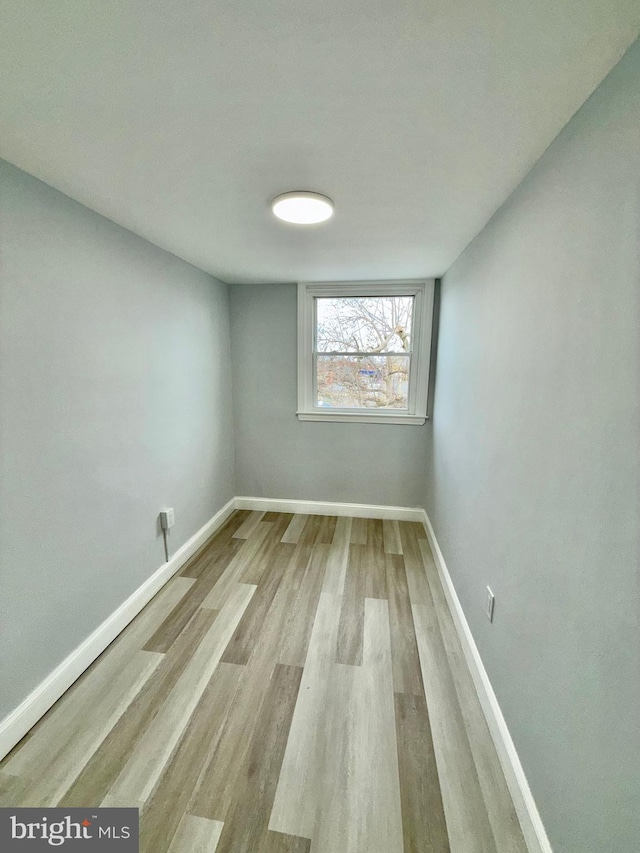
<point x="367" y="295"/>
<point x="361" y="409"/>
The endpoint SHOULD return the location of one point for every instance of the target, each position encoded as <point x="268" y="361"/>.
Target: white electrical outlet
<point x="488" y="607"/>
<point x="167" y="518"/>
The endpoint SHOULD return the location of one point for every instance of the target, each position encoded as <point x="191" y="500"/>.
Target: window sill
<point x="348" y="418"/>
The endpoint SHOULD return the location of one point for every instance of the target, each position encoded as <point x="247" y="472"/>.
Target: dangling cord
<point x="166" y="545"/>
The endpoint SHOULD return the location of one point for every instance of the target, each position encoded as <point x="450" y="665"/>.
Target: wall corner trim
<point x="527" y="811"/>
<point x="14" y="726"/>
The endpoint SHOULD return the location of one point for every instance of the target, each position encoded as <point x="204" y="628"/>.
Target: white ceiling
<point x="181" y="120"/>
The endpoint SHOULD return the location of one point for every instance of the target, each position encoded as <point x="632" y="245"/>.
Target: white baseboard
<point x="14" y="727"/>
<point x="399" y="513"/>
<point x="530" y="821"/>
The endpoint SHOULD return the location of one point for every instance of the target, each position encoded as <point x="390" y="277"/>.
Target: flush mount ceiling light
<point x="302" y="208"/>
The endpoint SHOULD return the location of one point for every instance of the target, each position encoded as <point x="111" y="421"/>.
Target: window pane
<point x="363" y="382"/>
<point x="364" y="324"/>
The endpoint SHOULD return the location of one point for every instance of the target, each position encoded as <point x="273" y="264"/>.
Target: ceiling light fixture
<point x="302" y="208"/>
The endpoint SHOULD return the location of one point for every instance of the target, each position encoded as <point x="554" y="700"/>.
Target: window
<point x="363" y="351"/>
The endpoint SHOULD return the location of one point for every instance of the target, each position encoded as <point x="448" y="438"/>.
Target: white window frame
<point x="423" y="292"/>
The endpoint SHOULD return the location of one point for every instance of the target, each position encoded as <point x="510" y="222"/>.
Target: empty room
<point x="319" y="426"/>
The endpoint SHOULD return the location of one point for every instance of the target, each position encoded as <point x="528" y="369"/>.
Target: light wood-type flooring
<point x="299" y="687"/>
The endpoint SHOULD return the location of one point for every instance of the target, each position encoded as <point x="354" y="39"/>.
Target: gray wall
<point x="115" y="400"/>
<point x="281" y="457"/>
<point x="534" y="466"/>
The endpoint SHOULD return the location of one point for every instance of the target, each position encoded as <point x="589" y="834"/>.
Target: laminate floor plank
<point x="358" y="531"/>
<point x="196" y="835"/>
<point x="327" y="531"/>
<point x="168" y="632"/>
<point x="299" y="687"/>
<point x="271" y="550"/>
<point x="330" y="800"/>
<point x="360" y="803"/>
<point x="391" y="534"/>
<point x="413" y="564"/>
<point x="294" y="529"/>
<point x="407" y="676"/>
<point x="351" y="630"/>
<point x="243" y="560"/>
<point x="297" y="795"/>
<point x="228" y="762"/>
<point x="179" y="782"/>
<point x="278" y="516"/>
<point x="377" y="758"/>
<point x="101" y="772"/>
<point x="198" y="562"/>
<point x="277" y="842"/>
<point x="142" y="770"/>
<point x="375" y="534"/>
<point x="374" y="561"/>
<point x="468" y="823"/>
<point x="338" y="557"/>
<point x="248" y="633"/>
<point x="229" y="757"/>
<point x="304" y="547"/>
<point x="423" y="820"/>
<point x="248" y="819"/>
<point x="298" y="596"/>
<point x="246" y="529"/>
<point x="502" y="814"/>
